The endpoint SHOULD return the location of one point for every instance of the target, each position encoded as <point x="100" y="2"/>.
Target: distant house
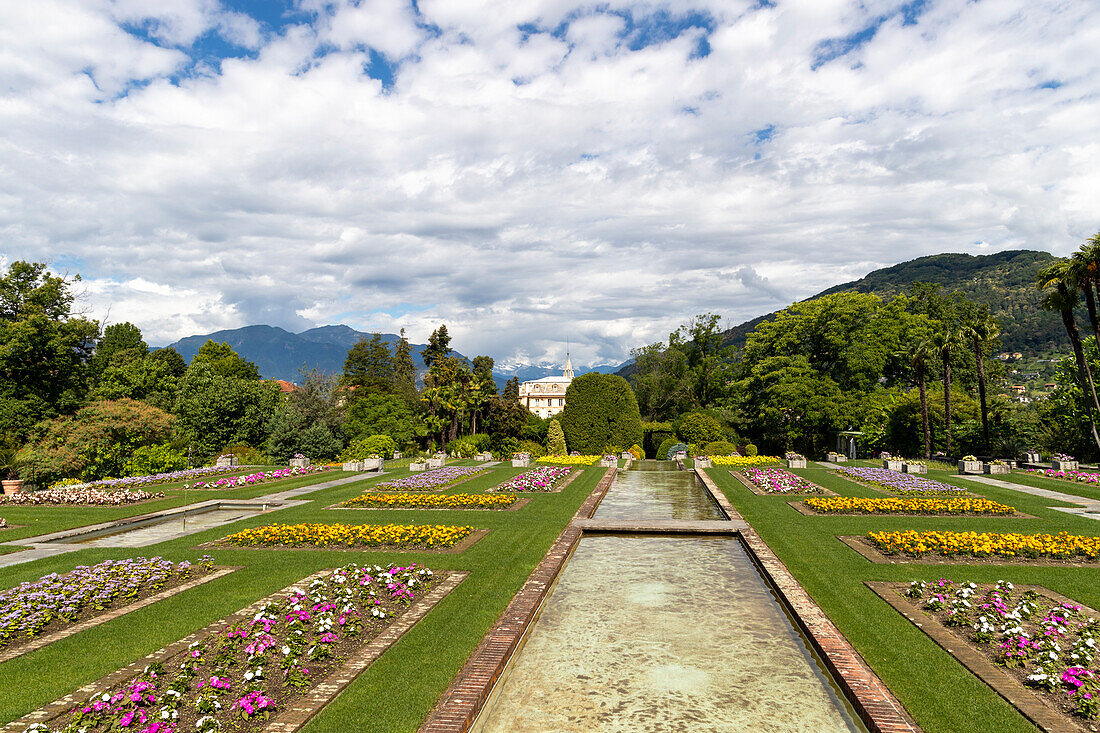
<point x="1051" y="385"/>
<point x="1017" y="355"/>
<point x="284" y="386"/>
<point x="1004" y="356"/>
<point x="1018" y="388"/>
<point x="546" y="397"/>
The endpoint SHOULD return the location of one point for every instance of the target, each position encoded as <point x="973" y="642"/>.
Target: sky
<point x="533" y="173"/>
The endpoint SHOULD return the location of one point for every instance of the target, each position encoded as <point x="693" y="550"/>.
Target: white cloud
<point x="533" y="187"/>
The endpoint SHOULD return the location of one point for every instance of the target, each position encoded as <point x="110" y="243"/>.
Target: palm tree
<point x="920" y="355"/>
<point x="1083" y="272"/>
<point x="943" y="344"/>
<point x="1063" y="299"/>
<point x="979" y="333"/>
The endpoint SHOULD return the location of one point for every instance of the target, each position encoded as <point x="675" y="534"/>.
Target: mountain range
<point x="280" y="354"/>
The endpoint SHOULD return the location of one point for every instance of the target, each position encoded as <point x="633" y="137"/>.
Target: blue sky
<point x="531" y="172"/>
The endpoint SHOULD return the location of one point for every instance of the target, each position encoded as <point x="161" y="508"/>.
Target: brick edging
<point x="1030" y="705"/>
<point x="880" y="711"/>
<point x="462" y="701"/>
<point x="41" y="641"/>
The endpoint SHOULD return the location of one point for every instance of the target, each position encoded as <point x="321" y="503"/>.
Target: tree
<point x="369" y="367"/>
<point x="920" y="354"/>
<point x="223" y="360"/>
<point x="600" y="412"/>
<point x="96" y="442"/>
<point x="383" y="414"/>
<point x="116" y="337"/>
<point x="697" y="428"/>
<point x="131" y="373"/>
<point x="980" y="333"/>
<point x="943" y="343"/>
<point x="555" y="439"/>
<point x="1063" y="299"/>
<point x="172" y="360"/>
<point x="44" y="348"/>
<point x="438" y="346"/>
<point x="511" y="389"/>
<point x="214" y="410"/>
<point x="309" y="421"/>
<point x="404" y="372"/>
<point x="481" y="389"/>
<point x="445" y="396"/>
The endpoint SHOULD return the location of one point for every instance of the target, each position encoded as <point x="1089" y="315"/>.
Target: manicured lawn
<point x="396" y="693"/>
<point x="939" y="692"/>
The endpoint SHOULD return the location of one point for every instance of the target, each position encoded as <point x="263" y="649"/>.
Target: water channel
<point x="658" y="633"/>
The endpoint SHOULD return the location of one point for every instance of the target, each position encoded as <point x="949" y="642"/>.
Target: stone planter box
<point x="1064" y="465"/>
<point x="436" y="462"/>
<point x="992" y="468"/>
<point x="702" y="463"/>
<point x="521" y="462"/>
<point x="299" y="462"/>
<point x="915" y="468"/>
<point x="836" y="459"/>
<point x="1032" y="457"/>
<point x="891" y="465"/>
<point x="970" y="467"/>
<point x="421" y="466"/>
<point x="796" y="463"/>
<point x="680" y="455"/>
<point x="606" y="463"/>
<point x="12" y="486"/>
<point x="483" y="457"/>
<point x="398" y="455"/>
<point x="373" y="464"/>
<point x="353" y="466"/>
<point x="226" y="461"/>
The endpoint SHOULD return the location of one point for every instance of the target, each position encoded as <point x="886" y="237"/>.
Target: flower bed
<point x="906" y="505"/>
<point x="401" y="536"/>
<point x="259" y="477"/>
<point x="1061" y="546"/>
<point x="569" y="460"/>
<point x="56" y="601"/>
<point x="433" y="501"/>
<point x="741" y="462"/>
<point x="1047" y="643"/>
<point x="244" y="673"/>
<point x="543" y="478"/>
<point x="158" y="478"/>
<point x="437" y="478"/>
<point x="1081" y="477"/>
<point x="90" y="497"/>
<point x="780" y="481"/>
<point x="900" y="483"/>
<point x="3" y="523"/>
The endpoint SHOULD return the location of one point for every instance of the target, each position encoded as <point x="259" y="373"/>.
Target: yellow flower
<point x="737" y="462"/>
<point x="352" y="535"/>
<point x="903" y="505"/>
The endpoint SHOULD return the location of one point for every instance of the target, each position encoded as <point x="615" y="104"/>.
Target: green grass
<point x="396" y="692"/>
<point x="939" y="692"/>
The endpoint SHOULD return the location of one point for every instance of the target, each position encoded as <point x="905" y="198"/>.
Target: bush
<point x="751" y="450"/>
<point x="720" y="448"/>
<point x="601" y="410"/>
<point x="637" y="452"/>
<point x="555" y="439"/>
<point x="468" y="445"/>
<point x="662" y="451"/>
<point x="535" y="449"/>
<point x="364" y="448"/>
<point x="160" y="458"/>
<point x="249" y="456"/>
<point x="695" y="427"/>
<point x="674" y="449"/>
<point x="505" y="446"/>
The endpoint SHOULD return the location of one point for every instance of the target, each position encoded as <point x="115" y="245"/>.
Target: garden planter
<point x="299" y="462"/>
<point x="483" y="457"/>
<point x="353" y="466"/>
<point x="12" y="486"/>
<point x="892" y="465"/>
<point x="521" y="462"/>
<point x="915" y="468"/>
<point x="796" y="463"/>
<point x="421" y="466"/>
<point x="702" y="463"/>
<point x="227" y="460"/>
<point x="1064" y="465"/>
<point x="397" y="455"/>
<point x="372" y="464"/>
<point x="836" y="459"/>
<point x="435" y="462"/>
<point x="1032" y="457"/>
<point x="608" y="462"/>
<point x="992" y="468"/>
<point x="970" y="467"/>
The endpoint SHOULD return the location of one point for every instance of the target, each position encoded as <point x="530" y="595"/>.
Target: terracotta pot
<point x="12" y="486"/>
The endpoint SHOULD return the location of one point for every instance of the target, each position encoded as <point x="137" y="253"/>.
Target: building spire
<point x="568" y="373"/>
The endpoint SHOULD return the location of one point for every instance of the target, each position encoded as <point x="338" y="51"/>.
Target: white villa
<point x="546" y="397"/>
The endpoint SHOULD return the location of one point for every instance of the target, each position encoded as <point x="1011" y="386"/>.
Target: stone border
<point x="111" y="614"/>
<point x="876" y="706"/>
<point x="874" y="555"/>
<point x="519" y="503"/>
<point x="436" y="490"/>
<point x="821" y="490"/>
<point x="290" y="720"/>
<point x="716" y="494"/>
<point x="1026" y="702"/>
<point x="806" y="511"/>
<point x="469" y="541"/>
<point x="462" y="701"/>
<point x="570" y="478"/>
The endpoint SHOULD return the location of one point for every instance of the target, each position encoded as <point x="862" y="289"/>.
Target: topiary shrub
<point x="600" y="411"/>
<point x="555" y="439"/>
<point x="674" y="449"/>
<point x="719" y="448"/>
<point x="695" y="427"/>
<point x="662" y="451"/>
<point x="751" y="450"/>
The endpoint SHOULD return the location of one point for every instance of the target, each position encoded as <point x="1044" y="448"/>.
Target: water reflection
<point x="655" y="490"/>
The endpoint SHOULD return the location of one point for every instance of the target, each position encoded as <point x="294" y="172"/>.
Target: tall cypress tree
<point x="404" y="371"/>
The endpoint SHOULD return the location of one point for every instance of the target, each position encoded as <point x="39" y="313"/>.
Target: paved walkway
<point x="293" y="493"/>
<point x="1089" y="508"/>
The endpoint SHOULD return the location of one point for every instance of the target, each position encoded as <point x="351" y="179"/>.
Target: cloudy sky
<point x="531" y="171"/>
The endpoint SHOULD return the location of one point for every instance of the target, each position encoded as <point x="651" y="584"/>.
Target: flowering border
<point x="470" y="540"/>
<point x="568" y="479"/>
<point x="220" y="571"/>
<point x="821" y="490"/>
<point x="307" y="706"/>
<point x="970" y="656"/>
<point x="860" y="544"/>
<point x="516" y="505"/>
<point x="805" y="510"/>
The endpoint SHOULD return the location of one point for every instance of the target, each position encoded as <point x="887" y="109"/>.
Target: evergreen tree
<point x="116" y="337"/>
<point x="511" y="389"/>
<point x="404" y="371"/>
<point x="174" y="363"/>
<point x="601" y="412"/>
<point x="369" y="367"/>
<point x="226" y="362"/>
<point x="439" y="346"/>
<point x="555" y="439"/>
